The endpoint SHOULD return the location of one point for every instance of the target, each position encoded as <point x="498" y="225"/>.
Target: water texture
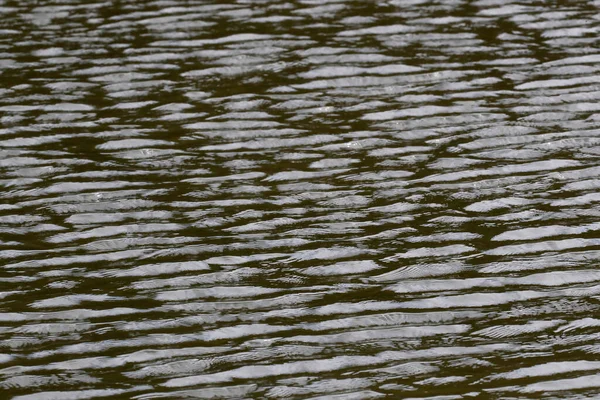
<point x="299" y="200"/>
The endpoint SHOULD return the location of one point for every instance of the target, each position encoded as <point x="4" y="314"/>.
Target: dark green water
<point x="299" y="200"/>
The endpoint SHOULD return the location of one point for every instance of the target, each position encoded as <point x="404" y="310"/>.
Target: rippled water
<point x="307" y="199"/>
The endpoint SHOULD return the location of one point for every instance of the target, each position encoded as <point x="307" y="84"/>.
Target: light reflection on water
<point x="328" y="199"/>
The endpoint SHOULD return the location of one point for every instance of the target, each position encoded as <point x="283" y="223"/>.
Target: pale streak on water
<point x="309" y="199"/>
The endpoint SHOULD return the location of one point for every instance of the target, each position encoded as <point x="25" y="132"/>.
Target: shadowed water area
<point x="299" y="200"/>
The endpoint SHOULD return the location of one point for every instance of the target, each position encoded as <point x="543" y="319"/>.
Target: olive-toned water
<point x="292" y="200"/>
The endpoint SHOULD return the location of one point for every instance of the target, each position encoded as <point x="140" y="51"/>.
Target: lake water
<point x="299" y="200"/>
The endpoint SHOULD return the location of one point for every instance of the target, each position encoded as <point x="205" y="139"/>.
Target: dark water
<point x="293" y="200"/>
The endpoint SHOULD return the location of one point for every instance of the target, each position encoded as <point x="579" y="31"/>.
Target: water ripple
<point x="325" y="200"/>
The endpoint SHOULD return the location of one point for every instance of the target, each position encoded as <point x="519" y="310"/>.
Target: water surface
<point x="293" y="200"/>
